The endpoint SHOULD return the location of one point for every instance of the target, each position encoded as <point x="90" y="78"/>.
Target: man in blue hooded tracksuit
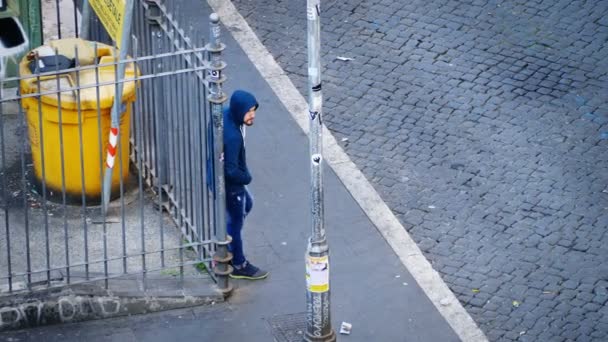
<point x="238" y="200"/>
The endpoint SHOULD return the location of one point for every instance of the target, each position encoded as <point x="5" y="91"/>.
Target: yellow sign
<point x="317" y="274"/>
<point x="112" y="15"/>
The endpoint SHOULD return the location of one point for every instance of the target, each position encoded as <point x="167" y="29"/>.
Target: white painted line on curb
<point x="362" y="191"/>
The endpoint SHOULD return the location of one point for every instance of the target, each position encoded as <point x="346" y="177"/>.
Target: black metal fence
<point x="54" y="138"/>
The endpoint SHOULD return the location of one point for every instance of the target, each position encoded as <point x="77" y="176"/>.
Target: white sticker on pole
<point x="316" y="158"/>
<point x="317" y="274"/>
<point x="311" y="13"/>
<point x="316" y="102"/>
<point x="313" y="72"/>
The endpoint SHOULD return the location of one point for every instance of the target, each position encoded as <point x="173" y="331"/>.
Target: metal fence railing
<point x="53" y="142"/>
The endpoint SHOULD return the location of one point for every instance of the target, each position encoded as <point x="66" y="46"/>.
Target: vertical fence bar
<point x="143" y="37"/>
<point x="137" y="131"/>
<point x="63" y="194"/>
<point x="184" y="137"/>
<point x="180" y="129"/>
<point x="138" y="117"/>
<point x="24" y="185"/>
<point x="58" y="19"/>
<point x="176" y="136"/>
<point x="101" y="164"/>
<point x="121" y="191"/>
<point x="210" y="130"/>
<point x="122" y="116"/>
<point x="143" y="251"/>
<point x="169" y="112"/>
<point x="4" y="195"/>
<point x="182" y="151"/>
<point x="137" y="124"/>
<point x="185" y="141"/>
<point x="151" y="146"/>
<point x="144" y="34"/>
<point x="195" y="167"/>
<point x="205" y="155"/>
<point x="160" y="151"/>
<point x="190" y="152"/>
<point x="204" y="190"/>
<point x="134" y="118"/>
<point x="81" y="153"/>
<point x="216" y="99"/>
<point x="156" y="105"/>
<point x="198" y="165"/>
<point x="189" y="148"/>
<point x="174" y="180"/>
<point x="208" y="172"/>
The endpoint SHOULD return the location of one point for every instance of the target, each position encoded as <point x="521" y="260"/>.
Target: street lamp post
<point x="318" y="320"/>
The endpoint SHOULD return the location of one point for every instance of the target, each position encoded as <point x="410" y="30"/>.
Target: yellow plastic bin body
<point x="53" y="119"/>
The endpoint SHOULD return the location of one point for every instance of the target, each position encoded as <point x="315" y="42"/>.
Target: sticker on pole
<point x="311" y="13"/>
<point x="316" y="158"/>
<point x="313" y="10"/>
<point x="317" y="274"/>
<point x="111" y="13"/>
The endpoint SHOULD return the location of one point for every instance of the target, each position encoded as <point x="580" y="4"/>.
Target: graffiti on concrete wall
<point x="61" y="310"/>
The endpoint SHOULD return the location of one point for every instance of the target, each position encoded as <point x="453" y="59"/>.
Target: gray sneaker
<point x="248" y="271"/>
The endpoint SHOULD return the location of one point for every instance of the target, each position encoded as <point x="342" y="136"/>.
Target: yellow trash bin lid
<point x="85" y="79"/>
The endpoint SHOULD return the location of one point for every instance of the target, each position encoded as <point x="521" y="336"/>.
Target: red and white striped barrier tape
<point x="112" y="147"/>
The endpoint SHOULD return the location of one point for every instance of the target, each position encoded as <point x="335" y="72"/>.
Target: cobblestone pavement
<point x="484" y="126"/>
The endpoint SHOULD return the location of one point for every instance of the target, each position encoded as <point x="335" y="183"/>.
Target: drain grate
<point x="288" y="328"/>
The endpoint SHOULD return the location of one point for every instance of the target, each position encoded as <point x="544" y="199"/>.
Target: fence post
<point x="216" y="99"/>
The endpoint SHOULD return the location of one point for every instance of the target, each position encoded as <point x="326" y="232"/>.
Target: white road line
<point x="362" y="191"/>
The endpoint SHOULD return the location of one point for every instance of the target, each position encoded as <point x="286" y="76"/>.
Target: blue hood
<point x="240" y="103"/>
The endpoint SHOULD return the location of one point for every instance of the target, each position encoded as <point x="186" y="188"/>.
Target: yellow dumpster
<point x="57" y="133"/>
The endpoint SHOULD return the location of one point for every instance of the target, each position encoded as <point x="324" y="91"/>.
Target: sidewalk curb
<point x="355" y="182"/>
<point x="89" y="301"/>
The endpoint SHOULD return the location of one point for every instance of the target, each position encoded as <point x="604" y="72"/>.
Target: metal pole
<point x="4" y="186"/>
<point x="216" y="99"/>
<point x="125" y="39"/>
<point x="58" y="19"/>
<point x="85" y="20"/>
<point x="318" y="320"/>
